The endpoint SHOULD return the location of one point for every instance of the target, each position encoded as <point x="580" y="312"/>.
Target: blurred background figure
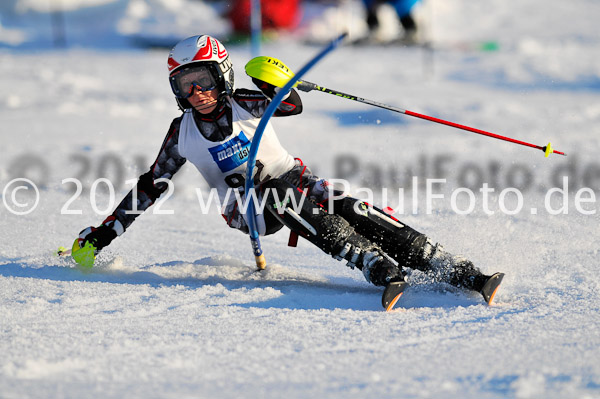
<point x="276" y="15"/>
<point x="403" y="10"/>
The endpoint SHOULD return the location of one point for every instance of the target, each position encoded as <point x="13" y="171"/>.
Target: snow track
<point x="176" y="309"/>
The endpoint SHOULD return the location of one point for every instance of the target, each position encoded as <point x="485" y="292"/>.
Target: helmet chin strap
<point x="222" y="94"/>
<point x="221" y="97"/>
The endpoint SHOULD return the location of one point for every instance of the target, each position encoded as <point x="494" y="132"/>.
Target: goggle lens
<point x="185" y="81"/>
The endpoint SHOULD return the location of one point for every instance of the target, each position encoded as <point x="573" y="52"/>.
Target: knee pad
<point x="292" y="208"/>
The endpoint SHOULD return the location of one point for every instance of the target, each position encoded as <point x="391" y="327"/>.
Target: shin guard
<point x="331" y="233"/>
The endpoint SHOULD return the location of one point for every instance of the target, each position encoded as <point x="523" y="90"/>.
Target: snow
<point x="174" y="308"/>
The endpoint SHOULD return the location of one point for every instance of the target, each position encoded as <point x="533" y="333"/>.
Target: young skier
<point x="215" y="132"/>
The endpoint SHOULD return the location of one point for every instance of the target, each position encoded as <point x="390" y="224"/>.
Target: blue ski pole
<point x="250" y="189"/>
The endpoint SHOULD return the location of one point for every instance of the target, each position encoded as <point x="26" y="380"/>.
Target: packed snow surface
<point x="175" y="309"/>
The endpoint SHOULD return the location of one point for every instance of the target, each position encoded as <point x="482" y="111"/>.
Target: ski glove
<point x="102" y="235"/>
<point x="267" y="89"/>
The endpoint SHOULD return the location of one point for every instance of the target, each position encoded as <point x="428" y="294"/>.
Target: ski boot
<point x="413" y="250"/>
<point x="457" y="270"/>
<point x="377" y="267"/>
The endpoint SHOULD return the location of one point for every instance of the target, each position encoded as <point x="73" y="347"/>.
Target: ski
<point x="394" y="291"/>
<point x="392" y="294"/>
<point x="462" y="46"/>
<point x="397" y="42"/>
<point x="491" y="287"/>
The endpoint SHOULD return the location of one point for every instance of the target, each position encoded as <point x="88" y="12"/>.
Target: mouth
<point x="202" y="103"/>
<point x="205" y="102"/>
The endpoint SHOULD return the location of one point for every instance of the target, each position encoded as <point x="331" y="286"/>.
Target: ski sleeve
<point x="168" y="162"/>
<point x="256" y="103"/>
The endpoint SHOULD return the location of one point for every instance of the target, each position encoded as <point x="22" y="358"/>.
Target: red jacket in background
<point x="276" y="14"/>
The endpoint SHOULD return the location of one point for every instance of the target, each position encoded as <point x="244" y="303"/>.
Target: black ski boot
<point x="377" y="267"/>
<point x="413" y="250"/>
<point x="456" y="270"/>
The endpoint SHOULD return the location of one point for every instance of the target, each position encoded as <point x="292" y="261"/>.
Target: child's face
<point x="204" y="102"/>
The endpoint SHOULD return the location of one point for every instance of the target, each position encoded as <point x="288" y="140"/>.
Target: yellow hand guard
<point x="270" y="70"/>
<point x="84" y="256"/>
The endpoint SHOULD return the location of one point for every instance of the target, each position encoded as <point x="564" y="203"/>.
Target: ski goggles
<point x="184" y="82"/>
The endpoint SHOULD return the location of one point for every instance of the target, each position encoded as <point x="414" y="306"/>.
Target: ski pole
<point x="275" y="72"/>
<point x="308" y="86"/>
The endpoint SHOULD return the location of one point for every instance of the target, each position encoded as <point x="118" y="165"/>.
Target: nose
<point x="197" y="93"/>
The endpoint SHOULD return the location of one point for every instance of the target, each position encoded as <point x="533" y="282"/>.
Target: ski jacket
<point x="218" y="145"/>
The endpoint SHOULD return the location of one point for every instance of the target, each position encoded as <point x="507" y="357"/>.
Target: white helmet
<point x="206" y="51"/>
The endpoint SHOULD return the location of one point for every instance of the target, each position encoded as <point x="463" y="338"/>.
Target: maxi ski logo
<point x="231" y="153"/>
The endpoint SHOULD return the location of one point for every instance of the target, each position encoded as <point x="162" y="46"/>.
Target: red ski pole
<point x="308" y="86"/>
